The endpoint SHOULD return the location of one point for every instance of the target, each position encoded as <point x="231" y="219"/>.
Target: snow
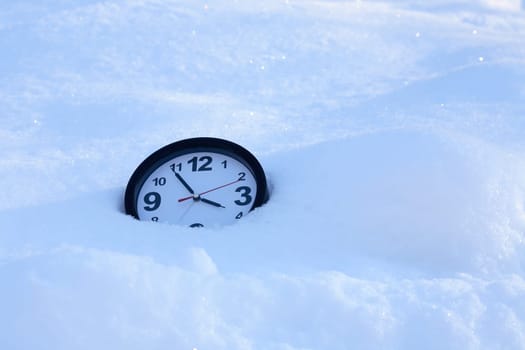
<point x="392" y="137"/>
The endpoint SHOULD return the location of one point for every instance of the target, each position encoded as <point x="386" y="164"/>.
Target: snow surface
<point x="392" y="134"/>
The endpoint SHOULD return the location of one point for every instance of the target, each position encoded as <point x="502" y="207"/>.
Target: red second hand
<point x="208" y="191"/>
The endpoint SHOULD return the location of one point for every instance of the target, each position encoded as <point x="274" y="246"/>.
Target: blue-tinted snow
<point x="391" y="133"/>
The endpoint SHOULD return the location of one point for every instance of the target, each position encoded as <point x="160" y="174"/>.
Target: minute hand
<point x="184" y="183"/>
<point x="208" y="191"/>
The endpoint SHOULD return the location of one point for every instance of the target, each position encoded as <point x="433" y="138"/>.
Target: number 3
<point x="245" y="194"/>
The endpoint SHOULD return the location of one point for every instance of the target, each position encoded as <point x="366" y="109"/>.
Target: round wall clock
<point x="196" y="182"/>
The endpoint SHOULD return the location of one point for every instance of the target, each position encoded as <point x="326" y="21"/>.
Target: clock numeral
<point x="152" y="199"/>
<point x="242" y="176"/>
<point x="205" y="166"/>
<point x="239" y="215"/>
<point x="178" y="166"/>
<point x="245" y="194"/>
<point x="225" y="163"/>
<point x="159" y="181"/>
<point x="155" y="218"/>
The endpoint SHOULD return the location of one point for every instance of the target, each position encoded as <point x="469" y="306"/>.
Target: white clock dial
<point x="201" y="181"/>
<point x="197" y="189"/>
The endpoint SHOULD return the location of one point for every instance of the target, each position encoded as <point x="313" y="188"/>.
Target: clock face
<point x="197" y="182"/>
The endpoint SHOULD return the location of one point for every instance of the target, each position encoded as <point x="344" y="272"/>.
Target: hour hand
<point x="184" y="183"/>
<point x="215" y="204"/>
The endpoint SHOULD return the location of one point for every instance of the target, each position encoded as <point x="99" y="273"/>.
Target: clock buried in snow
<point x="196" y="182"/>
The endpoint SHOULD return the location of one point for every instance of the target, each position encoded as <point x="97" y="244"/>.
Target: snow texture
<point x="392" y="137"/>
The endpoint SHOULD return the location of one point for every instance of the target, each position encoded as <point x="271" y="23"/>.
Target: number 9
<point x="153" y="200"/>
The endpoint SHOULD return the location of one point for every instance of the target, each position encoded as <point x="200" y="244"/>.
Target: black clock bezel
<point x="191" y="145"/>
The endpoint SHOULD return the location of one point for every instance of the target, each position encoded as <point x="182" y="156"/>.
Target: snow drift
<point x="391" y="134"/>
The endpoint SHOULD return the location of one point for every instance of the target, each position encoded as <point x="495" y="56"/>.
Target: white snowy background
<point x="392" y="133"/>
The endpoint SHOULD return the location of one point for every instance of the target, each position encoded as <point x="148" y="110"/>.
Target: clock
<point x="197" y="182"/>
